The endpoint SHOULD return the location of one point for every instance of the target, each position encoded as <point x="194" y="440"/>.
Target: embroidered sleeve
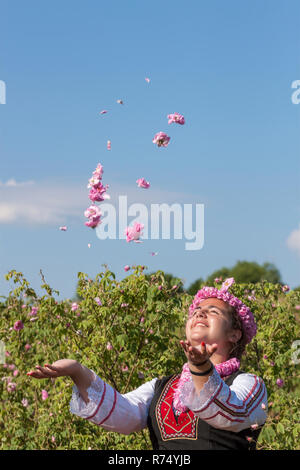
<point x="111" y="410"/>
<point x="235" y="407"/>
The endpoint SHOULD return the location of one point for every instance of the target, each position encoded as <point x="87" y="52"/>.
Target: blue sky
<point x="228" y="67"/>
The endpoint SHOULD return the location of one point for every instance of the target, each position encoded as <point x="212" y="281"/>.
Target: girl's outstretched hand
<point x="60" y="368"/>
<point x="198" y="354"/>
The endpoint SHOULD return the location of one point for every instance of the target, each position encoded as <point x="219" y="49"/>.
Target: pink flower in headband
<point x="226" y="284"/>
<point x="244" y="312"/>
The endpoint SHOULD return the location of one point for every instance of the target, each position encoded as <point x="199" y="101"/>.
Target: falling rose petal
<point x="154" y="253"/>
<point x="94" y="214"/>
<point x="64" y="228"/>
<point x="142" y="183"/>
<point x="104" y="111"/>
<point x="98" y="194"/>
<point x="161" y="139"/>
<point x="120" y="101"/>
<point x="147" y="79"/>
<point x="134" y="233"/>
<point x="108" y="145"/>
<point x="89" y="245"/>
<point x="176" y="117"/>
<point x="99" y="171"/>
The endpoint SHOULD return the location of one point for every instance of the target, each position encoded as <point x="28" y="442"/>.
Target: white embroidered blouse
<point x="233" y="408"/>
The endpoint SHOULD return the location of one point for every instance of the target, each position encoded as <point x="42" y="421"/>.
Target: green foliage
<point x="170" y="281"/>
<point x="143" y="324"/>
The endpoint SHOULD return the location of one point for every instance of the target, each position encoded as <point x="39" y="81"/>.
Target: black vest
<point x="186" y="431"/>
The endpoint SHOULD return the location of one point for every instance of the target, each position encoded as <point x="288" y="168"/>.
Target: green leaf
<point x="280" y="428"/>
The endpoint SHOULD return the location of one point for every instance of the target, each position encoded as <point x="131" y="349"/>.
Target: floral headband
<point x="244" y="312"/>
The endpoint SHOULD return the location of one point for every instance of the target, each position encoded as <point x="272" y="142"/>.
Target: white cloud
<point x="50" y="203"/>
<point x="13" y="182"/>
<point x="293" y="241"/>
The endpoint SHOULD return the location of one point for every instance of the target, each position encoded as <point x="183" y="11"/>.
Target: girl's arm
<point x="236" y="407"/>
<point x="96" y="401"/>
<point x="111" y="410"/>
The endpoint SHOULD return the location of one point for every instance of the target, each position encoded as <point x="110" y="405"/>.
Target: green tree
<point x="248" y="271"/>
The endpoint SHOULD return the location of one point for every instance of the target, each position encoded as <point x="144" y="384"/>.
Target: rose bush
<point x="128" y="332"/>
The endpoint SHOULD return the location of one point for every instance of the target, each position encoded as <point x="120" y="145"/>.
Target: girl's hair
<point x="238" y="348"/>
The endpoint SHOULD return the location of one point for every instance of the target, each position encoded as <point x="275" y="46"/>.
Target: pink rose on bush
<point x="18" y="325"/>
<point x="44" y="395"/>
<point x="109" y="347"/>
<point x="279" y="383"/>
<point x="11" y="387"/>
<point x="98" y="301"/>
<point x="126" y="268"/>
<point x="74" y="307"/>
<point x="34" y="311"/>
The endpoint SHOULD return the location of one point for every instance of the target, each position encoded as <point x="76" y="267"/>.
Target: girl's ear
<point x="235" y="335"/>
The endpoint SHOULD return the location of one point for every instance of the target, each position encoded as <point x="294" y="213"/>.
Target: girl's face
<point x="211" y="323"/>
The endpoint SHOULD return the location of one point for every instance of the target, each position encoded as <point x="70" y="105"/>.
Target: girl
<point x="210" y="404"/>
